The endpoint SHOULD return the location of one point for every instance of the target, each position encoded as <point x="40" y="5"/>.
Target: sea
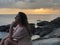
<point x="32" y="18"/>
<point x="6" y="19"/>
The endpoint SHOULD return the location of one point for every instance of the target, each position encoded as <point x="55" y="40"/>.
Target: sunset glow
<point x="28" y="11"/>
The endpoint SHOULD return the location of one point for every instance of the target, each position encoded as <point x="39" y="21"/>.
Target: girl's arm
<point x="10" y="33"/>
<point x="11" y="30"/>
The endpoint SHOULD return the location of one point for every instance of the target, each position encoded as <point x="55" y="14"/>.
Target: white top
<point x="16" y="29"/>
<point x="21" y="35"/>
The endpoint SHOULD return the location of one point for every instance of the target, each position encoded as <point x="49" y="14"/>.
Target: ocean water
<point x="8" y="18"/>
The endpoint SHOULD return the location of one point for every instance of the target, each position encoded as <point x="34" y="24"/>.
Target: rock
<point x="43" y="23"/>
<point x="51" y="41"/>
<point x="54" y="34"/>
<point x="48" y="27"/>
<point x="37" y="31"/>
<point x="56" y="22"/>
<point x="4" y="28"/>
<point x="32" y="27"/>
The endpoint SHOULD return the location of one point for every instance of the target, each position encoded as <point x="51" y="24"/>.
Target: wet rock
<point x="4" y="28"/>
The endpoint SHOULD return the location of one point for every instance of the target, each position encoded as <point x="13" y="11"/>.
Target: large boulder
<point x="43" y="31"/>
<point x="54" y="34"/>
<point x="56" y="22"/>
<point x="4" y="28"/>
<point x="48" y="27"/>
<point x="32" y="27"/>
<point x="51" y="41"/>
<point x="42" y="23"/>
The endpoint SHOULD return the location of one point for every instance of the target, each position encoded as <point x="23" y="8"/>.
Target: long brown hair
<point x="24" y="22"/>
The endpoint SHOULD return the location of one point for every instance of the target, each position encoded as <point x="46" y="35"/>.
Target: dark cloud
<point x="27" y="4"/>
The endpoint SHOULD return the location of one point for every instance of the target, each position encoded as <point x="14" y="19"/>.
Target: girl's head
<point x="21" y="19"/>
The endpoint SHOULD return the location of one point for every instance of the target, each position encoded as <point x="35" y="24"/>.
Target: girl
<point x="21" y="34"/>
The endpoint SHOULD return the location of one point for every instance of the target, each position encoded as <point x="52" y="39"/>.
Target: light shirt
<point x="16" y="29"/>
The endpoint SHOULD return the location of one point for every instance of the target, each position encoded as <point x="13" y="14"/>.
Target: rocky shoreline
<point x="44" y="28"/>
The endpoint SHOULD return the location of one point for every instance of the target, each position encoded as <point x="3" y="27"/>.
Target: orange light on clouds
<point x="46" y="11"/>
<point x="28" y="11"/>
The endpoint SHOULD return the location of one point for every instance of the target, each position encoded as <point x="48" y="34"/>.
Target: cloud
<point x="29" y="11"/>
<point x="33" y="4"/>
<point x="6" y="3"/>
<point x="30" y="4"/>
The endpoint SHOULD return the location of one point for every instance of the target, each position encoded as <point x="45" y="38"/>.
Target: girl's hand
<point x="11" y="29"/>
<point x="13" y="24"/>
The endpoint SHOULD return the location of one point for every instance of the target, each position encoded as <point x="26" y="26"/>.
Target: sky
<point x="30" y="6"/>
